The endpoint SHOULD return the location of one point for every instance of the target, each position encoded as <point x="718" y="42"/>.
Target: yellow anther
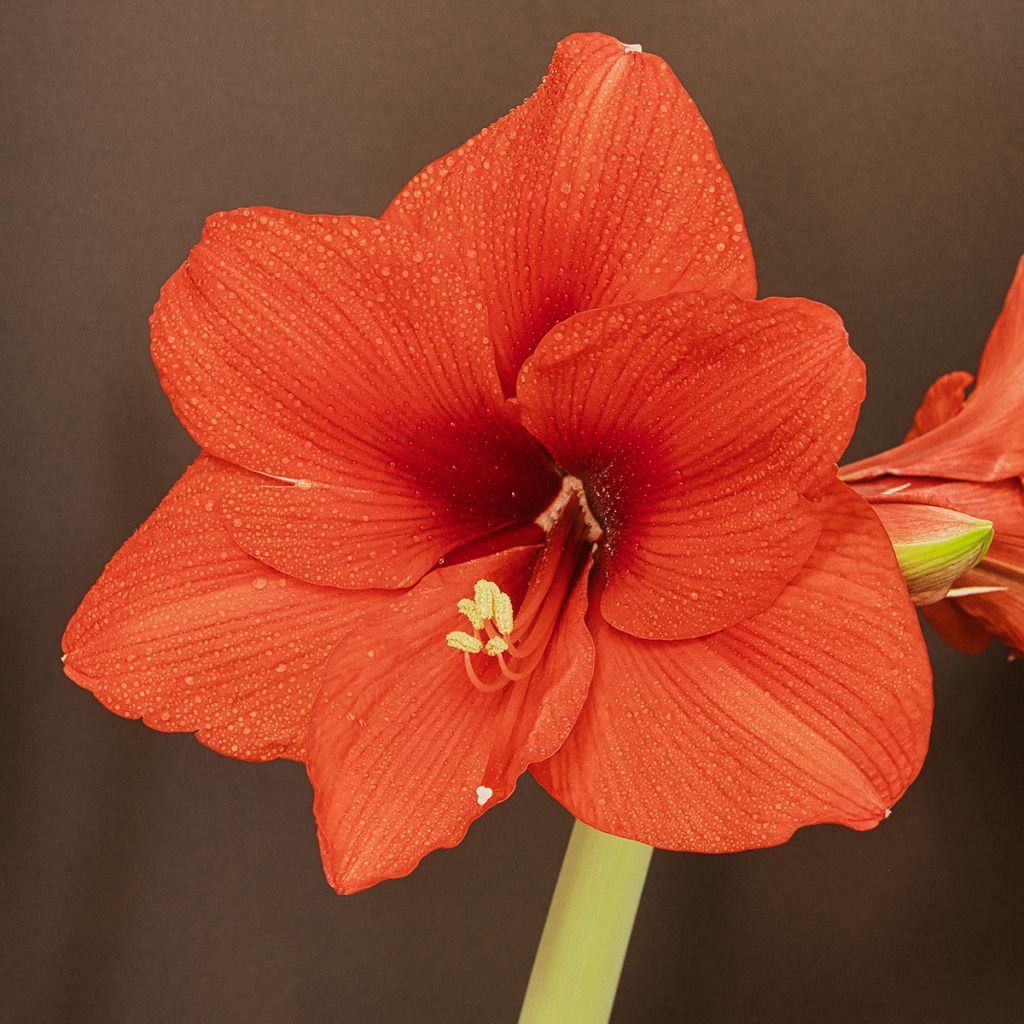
<point x="489" y="604"/>
<point x="503" y="613"/>
<point x="485" y="593"/>
<point x="469" y="609"/>
<point x="464" y="642"/>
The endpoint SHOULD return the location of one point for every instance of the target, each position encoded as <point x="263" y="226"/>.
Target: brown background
<point x="876" y="149"/>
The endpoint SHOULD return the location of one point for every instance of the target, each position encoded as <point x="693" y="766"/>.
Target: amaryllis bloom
<point x="520" y="476"/>
<point x="966" y="453"/>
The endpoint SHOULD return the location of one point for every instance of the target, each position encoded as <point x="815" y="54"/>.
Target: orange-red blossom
<point x="534" y="413"/>
<point x="966" y="453"/>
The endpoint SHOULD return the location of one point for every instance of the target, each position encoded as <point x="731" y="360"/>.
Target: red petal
<point x="1001" y="502"/>
<point x="400" y="740"/>
<point x="817" y="710"/>
<point x="189" y="633"/>
<point x="966" y="622"/>
<point x="1001" y="612"/>
<point x="604" y="186"/>
<point x="345" y="353"/>
<point x="985" y="440"/>
<point x="942" y="401"/>
<point x="698" y="424"/>
<point x="956" y="627"/>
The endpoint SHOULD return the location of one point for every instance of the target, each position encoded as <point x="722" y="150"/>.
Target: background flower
<point x="967" y="453"/>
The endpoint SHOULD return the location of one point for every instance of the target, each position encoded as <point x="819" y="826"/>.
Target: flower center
<point x="518" y="639"/>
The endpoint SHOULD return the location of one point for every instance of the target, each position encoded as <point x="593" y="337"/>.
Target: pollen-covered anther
<point x="491" y="616"/>
<point x="485" y="594"/>
<point x="468" y="608"/>
<point x="503" y="613"/>
<point x="518" y="640"/>
<point x="464" y="642"/>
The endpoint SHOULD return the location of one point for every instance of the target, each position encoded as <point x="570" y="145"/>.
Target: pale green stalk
<point x="579" y="959"/>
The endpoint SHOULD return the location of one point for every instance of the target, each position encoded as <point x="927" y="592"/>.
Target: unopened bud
<point x="934" y="546"/>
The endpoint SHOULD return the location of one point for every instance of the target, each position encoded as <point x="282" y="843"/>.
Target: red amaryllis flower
<point x="967" y="454"/>
<point x="519" y="476"/>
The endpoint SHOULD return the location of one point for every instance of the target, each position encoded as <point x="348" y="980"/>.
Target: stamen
<point x="895" y="490"/>
<point x="509" y="673"/>
<point x="464" y="642"/>
<point x="503" y="613"/>
<point x="485" y="593"/>
<point x="469" y="609"/>
<point x="518" y="641"/>
<point x="478" y="682"/>
<point x="971" y="591"/>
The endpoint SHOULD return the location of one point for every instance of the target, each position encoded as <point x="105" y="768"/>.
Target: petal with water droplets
<point x="604" y="186"/>
<point x="816" y="710"/>
<point x="704" y="427"/>
<point x="351" y="356"/>
<point x="404" y="753"/>
<point x="189" y="633"/>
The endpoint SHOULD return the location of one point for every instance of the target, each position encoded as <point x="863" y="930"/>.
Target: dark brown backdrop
<point x="876" y="149"/>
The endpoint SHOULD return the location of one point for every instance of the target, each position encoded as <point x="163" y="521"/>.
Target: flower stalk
<point x="576" y="971"/>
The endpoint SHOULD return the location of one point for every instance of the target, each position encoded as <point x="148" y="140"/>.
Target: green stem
<point x="579" y="959"/>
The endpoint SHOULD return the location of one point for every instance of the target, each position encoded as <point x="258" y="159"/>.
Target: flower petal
<point x="404" y="753"/>
<point x="700" y="424"/>
<point x="604" y="186"/>
<point x="956" y="627"/>
<point x="189" y="633"/>
<point x="999" y="612"/>
<point x="1001" y="501"/>
<point x="941" y="402"/>
<point x="985" y="439"/>
<point x="934" y="546"/>
<point x="348" y="356"/>
<point x="817" y="710"/>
